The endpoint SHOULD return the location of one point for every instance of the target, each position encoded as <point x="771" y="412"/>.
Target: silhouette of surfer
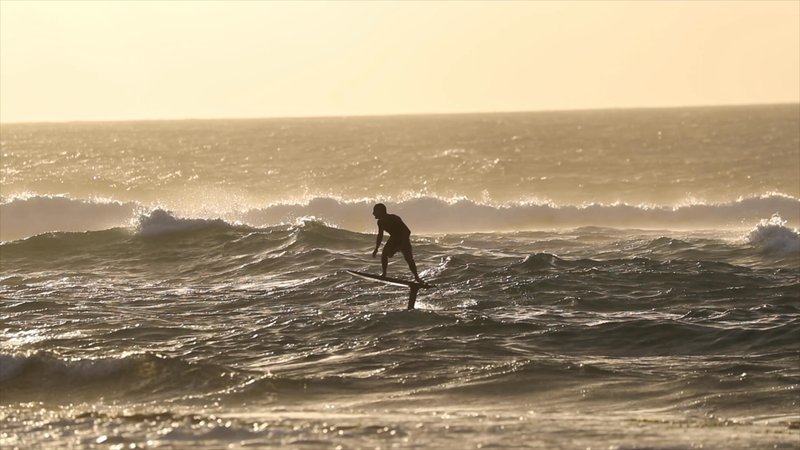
<point x="399" y="239"/>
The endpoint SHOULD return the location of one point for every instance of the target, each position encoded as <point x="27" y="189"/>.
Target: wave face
<point x="206" y="302"/>
<point x="25" y="217"/>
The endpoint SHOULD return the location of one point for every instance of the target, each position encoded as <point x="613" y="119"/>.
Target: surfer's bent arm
<point x="378" y="242"/>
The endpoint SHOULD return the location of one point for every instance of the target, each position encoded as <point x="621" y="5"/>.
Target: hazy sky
<point x="137" y="60"/>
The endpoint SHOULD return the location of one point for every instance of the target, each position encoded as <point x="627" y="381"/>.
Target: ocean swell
<point x="46" y="376"/>
<point x="23" y="217"/>
<point x="435" y="215"/>
<point x="26" y="217"/>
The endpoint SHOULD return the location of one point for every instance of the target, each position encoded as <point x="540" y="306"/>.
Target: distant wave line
<point x="31" y="215"/>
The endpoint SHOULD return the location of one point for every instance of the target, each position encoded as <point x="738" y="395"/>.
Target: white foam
<point x="159" y="222"/>
<point x="773" y="236"/>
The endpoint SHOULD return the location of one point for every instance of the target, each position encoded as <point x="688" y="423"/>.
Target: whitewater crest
<point x="24" y="217"/>
<point x="160" y="221"/>
<point x="774" y="237"/>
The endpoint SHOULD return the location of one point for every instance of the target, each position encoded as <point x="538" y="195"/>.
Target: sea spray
<point x="773" y="236"/>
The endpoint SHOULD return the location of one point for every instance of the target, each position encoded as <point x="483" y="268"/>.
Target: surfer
<point x="399" y="239"/>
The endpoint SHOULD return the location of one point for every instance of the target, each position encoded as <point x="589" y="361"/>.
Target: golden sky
<point x="147" y="60"/>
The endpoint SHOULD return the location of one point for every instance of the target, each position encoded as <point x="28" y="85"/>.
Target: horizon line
<point x="377" y="115"/>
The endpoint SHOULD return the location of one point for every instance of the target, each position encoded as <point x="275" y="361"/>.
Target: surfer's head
<point x="379" y="210"/>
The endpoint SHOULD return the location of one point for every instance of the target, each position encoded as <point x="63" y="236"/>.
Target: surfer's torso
<point x="394" y="225"/>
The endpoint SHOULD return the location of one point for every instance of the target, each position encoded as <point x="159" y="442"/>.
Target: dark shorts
<point x="394" y="244"/>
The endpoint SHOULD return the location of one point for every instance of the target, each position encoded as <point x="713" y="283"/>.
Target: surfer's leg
<point x="384" y="262"/>
<point x="410" y="260"/>
<point x="388" y="251"/>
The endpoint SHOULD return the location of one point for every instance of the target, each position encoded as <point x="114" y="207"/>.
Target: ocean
<point x="615" y="279"/>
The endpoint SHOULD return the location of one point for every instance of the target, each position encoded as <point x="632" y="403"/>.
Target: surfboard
<point x="412" y="286"/>
<point x="389" y="280"/>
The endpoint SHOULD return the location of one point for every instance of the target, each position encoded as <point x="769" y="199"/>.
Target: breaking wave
<point x="25" y="217"/>
<point x="773" y="236"/>
<point x="159" y="222"/>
